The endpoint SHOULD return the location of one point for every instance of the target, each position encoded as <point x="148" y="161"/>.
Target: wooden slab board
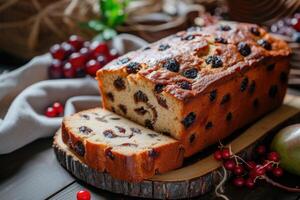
<point x="193" y="179"/>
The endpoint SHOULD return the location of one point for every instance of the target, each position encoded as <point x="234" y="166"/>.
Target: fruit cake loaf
<point x="201" y="84"/>
<point x="127" y="151"/>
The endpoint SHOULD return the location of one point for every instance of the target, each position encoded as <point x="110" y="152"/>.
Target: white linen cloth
<point x="26" y="92"/>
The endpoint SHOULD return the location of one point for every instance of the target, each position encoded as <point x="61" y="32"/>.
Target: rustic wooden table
<point x="33" y="172"/>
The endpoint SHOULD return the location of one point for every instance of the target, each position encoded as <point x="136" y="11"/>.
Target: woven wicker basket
<point x="29" y="27"/>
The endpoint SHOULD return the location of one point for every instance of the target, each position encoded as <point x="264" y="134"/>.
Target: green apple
<point x="287" y="144"/>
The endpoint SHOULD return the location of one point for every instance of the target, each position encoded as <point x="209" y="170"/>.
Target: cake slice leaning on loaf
<point x="199" y="85"/>
<point x="127" y="151"/>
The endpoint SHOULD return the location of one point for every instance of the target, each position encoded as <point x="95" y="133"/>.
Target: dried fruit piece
<point x="221" y="40"/>
<point x="225" y="99"/>
<point x="158" y="88"/>
<point x="123" y="108"/>
<point x="215" y="61"/>
<point x="123" y="60"/>
<point x="265" y="44"/>
<point x="163" y="47"/>
<point x="225" y="27"/>
<point x="273" y="91"/>
<point x="252" y="87"/>
<point x="121" y="129"/>
<point x="188" y="37"/>
<point x="270" y="67"/>
<point x="185" y="85"/>
<point x="109" y="134"/>
<point x="171" y="65"/>
<point x="110" y="96"/>
<point x="192" y="138"/>
<point x="213" y="95"/>
<point x="190" y="73"/>
<point x="244" y="84"/>
<point x="141" y="110"/>
<point x="283" y="77"/>
<point x="209" y="125"/>
<point x="119" y="84"/>
<point x="148" y="124"/>
<point x="244" y="49"/>
<point x="85" y="130"/>
<point x="136" y="130"/>
<point x="153" y="154"/>
<point x="109" y="153"/>
<point x="133" y="68"/>
<point x="255" y="31"/>
<point x="140" y="96"/>
<point x="229" y="116"/>
<point x="255" y="103"/>
<point x="79" y="148"/>
<point x="189" y="120"/>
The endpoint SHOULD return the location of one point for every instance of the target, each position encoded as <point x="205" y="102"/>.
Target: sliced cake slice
<point x="127" y="151"/>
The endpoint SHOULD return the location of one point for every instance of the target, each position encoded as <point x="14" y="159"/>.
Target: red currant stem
<point x="289" y="189"/>
<point x="221" y="146"/>
<point x="238" y="157"/>
<point x="272" y="162"/>
<point x="219" y="187"/>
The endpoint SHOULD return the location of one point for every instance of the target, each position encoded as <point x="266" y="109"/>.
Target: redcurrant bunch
<point x="55" y="110"/>
<point x="76" y="58"/>
<point x="246" y="173"/>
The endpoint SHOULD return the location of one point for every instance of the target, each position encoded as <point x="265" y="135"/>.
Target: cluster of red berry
<point x="76" y="58"/>
<point x="247" y="172"/>
<point x="55" y="110"/>
<point x="83" y="195"/>
<point x="289" y="26"/>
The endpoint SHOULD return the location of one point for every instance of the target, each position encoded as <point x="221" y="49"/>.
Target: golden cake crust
<point x="191" y="50"/>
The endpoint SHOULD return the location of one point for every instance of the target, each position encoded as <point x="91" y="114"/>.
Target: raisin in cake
<point x="201" y="84"/>
<point x="127" y="151"/>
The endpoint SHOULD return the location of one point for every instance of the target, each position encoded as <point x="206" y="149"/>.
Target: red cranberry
<point x="229" y="164"/>
<point x="85" y="51"/>
<point x="68" y="49"/>
<point x="69" y="71"/>
<point x="296" y="24"/>
<point x="76" y="41"/>
<point x="99" y="48"/>
<point x="58" y="107"/>
<point x="87" y="44"/>
<point x="249" y="183"/>
<point x="113" y="54"/>
<point x="50" y="112"/>
<point x="273" y="156"/>
<point x="238" y="170"/>
<point x="225" y="153"/>
<point x="259" y="170"/>
<point x="261" y="150"/>
<point x="218" y="155"/>
<point x="77" y="60"/>
<point x="239" y="181"/>
<point x="57" y="52"/>
<point x="277" y="171"/>
<point x="92" y="67"/>
<point x="83" y="195"/>
<point x="268" y="165"/>
<point x="102" y="60"/>
<point x="55" y="70"/>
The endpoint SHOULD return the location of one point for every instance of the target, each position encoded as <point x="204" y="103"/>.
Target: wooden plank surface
<point x="32" y="173"/>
